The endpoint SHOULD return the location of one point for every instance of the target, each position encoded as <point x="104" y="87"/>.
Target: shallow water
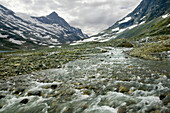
<point x="101" y="83"/>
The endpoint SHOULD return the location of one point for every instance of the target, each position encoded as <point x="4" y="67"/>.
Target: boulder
<point x="122" y="109"/>
<point x="54" y="86"/>
<point x="2" y="96"/>
<point x="24" y="101"/>
<point x="35" y="93"/>
<point x="125" y="44"/>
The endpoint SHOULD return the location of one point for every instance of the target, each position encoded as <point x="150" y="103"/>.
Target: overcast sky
<point x="92" y="16"/>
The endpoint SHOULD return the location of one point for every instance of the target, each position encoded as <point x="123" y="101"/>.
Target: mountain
<point x="150" y="17"/>
<point x="20" y="31"/>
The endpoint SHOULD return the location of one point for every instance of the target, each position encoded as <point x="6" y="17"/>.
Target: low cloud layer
<point x="92" y="16"/>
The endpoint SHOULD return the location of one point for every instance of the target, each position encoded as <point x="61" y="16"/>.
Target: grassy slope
<point x="158" y="26"/>
<point x="158" y="31"/>
<point x="153" y="50"/>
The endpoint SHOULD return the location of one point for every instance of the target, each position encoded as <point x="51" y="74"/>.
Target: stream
<point x="110" y="82"/>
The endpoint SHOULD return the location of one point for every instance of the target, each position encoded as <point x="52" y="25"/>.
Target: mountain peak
<point x="53" y="14"/>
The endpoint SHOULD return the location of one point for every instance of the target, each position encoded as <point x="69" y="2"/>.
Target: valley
<point x="49" y="66"/>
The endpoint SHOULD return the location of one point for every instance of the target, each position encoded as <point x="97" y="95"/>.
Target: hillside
<point x="20" y="31"/>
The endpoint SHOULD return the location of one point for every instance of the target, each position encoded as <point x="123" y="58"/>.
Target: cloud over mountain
<point x="91" y="16"/>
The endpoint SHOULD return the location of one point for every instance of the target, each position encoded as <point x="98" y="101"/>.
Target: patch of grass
<point x="147" y="51"/>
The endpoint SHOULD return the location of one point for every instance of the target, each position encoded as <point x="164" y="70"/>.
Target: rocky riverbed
<point x="110" y="82"/>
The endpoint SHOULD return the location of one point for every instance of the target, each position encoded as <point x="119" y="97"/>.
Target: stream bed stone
<point x="106" y="82"/>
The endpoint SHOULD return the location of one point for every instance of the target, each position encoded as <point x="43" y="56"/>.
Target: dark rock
<point x="2" y="96"/>
<point x="19" y="90"/>
<point x="161" y="97"/>
<point x="166" y="100"/>
<point x="92" y="77"/>
<point x="36" y="93"/>
<point x="123" y="89"/>
<point x="125" y="44"/>
<point x="68" y="110"/>
<point x="86" y="92"/>
<point x="168" y="76"/>
<point x="54" y="86"/>
<point x="101" y="60"/>
<point x="122" y="109"/>
<point x="24" y="101"/>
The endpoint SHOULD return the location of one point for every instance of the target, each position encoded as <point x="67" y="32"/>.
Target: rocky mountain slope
<point x="151" y="17"/>
<point x="22" y="31"/>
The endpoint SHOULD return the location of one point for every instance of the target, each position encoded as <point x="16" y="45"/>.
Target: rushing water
<point x="110" y="82"/>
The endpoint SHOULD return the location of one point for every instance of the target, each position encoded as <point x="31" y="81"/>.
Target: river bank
<point x="107" y="82"/>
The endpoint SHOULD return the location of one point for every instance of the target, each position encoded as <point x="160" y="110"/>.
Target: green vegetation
<point x="22" y="62"/>
<point x="154" y="49"/>
<point x="158" y="26"/>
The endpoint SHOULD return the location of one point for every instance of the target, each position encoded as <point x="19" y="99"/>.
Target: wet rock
<point x="67" y="110"/>
<point x="122" y="109"/>
<point x="166" y="100"/>
<point x="54" y="86"/>
<point x="161" y="97"/>
<point x="35" y="93"/>
<point x="84" y="106"/>
<point x="86" y="92"/>
<point x="157" y="111"/>
<point x="123" y="89"/>
<point x="19" y="90"/>
<point x="168" y="76"/>
<point x="101" y="60"/>
<point x="125" y="44"/>
<point x="2" y="96"/>
<point x="103" y="51"/>
<point x="92" y="77"/>
<point x="24" y="101"/>
<point x="59" y="66"/>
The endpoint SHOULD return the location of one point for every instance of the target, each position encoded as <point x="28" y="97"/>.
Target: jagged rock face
<point x="20" y="30"/>
<point x="146" y="11"/>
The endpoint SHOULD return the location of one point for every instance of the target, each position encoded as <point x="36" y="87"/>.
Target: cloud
<point x="92" y="16"/>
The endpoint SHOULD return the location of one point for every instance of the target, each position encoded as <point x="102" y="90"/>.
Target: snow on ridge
<point x="133" y="26"/>
<point x="54" y="40"/>
<point x="165" y="16"/>
<point x="125" y="20"/>
<point x="142" y="22"/>
<point x="20" y="33"/>
<point x="3" y="36"/>
<point x="121" y="30"/>
<point x="142" y="17"/>
<point x="18" y="42"/>
<point x="116" y="29"/>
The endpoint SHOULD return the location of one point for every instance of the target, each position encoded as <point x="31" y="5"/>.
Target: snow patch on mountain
<point x="133" y="26"/>
<point x="142" y="22"/>
<point x="142" y="17"/>
<point x="125" y="20"/>
<point x="116" y="29"/>
<point x="165" y="16"/>
<point x="18" y="42"/>
<point x="3" y="36"/>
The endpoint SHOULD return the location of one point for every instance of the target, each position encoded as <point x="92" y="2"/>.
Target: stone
<point x="123" y="89"/>
<point x="19" y="90"/>
<point x="86" y="92"/>
<point x="36" y="93"/>
<point x="166" y="100"/>
<point x="54" y="86"/>
<point x="68" y="110"/>
<point x="157" y="111"/>
<point x="24" y="101"/>
<point x="92" y="77"/>
<point x="2" y="96"/>
<point x="122" y="109"/>
<point x="125" y="44"/>
<point x="161" y="97"/>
